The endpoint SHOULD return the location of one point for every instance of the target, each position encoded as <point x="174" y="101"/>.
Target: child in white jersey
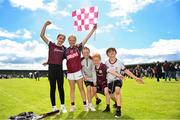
<point x="114" y="83"/>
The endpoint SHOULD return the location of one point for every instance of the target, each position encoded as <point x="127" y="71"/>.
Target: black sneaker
<point x="107" y="109"/>
<point x="98" y="101"/>
<point x="115" y="105"/>
<point x="118" y="114"/>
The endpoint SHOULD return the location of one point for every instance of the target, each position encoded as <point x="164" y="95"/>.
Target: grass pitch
<point x="149" y="101"/>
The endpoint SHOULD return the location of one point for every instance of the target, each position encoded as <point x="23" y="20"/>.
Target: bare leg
<point x="72" y="90"/>
<point x="81" y="88"/>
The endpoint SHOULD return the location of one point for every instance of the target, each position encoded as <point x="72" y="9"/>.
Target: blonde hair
<point x="72" y="36"/>
<point x="96" y="55"/>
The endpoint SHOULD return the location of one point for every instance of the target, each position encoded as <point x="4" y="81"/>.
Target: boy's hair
<point x="86" y="48"/>
<point x="64" y="37"/>
<point x="110" y="49"/>
<point x="72" y="36"/>
<point x="96" y="55"/>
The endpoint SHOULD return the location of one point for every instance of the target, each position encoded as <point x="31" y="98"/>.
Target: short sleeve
<point x="121" y="65"/>
<point x="80" y="47"/>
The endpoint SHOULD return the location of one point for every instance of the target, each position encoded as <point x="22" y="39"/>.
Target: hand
<point x="45" y="64"/>
<point x="94" y="83"/>
<point x="47" y="23"/>
<point x="120" y="77"/>
<point x="139" y="80"/>
<point x="95" y="26"/>
<point x="86" y="78"/>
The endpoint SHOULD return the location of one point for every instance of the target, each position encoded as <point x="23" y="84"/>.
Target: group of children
<point x="98" y="77"/>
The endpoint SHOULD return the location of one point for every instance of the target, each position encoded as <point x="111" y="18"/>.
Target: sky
<point x="142" y="31"/>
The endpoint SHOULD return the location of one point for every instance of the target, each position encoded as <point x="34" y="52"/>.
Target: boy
<point x="101" y="83"/>
<point x="114" y="83"/>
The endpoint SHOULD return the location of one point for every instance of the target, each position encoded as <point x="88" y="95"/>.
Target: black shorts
<point x="113" y="85"/>
<point x="88" y="83"/>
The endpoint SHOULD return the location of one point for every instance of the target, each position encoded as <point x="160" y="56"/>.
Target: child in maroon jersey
<point x="101" y="73"/>
<point x="73" y="56"/>
<point x="55" y="70"/>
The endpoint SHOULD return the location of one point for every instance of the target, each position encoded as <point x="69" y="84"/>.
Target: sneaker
<point x="63" y="108"/>
<point x="85" y="108"/>
<point x="98" y="101"/>
<point x="107" y="109"/>
<point x="118" y="114"/>
<point x="91" y="107"/>
<point x="72" y="109"/>
<point x="54" y="108"/>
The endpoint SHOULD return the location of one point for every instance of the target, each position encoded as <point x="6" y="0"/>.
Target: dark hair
<point x="64" y="37"/>
<point x="86" y="48"/>
<point x="110" y="49"/>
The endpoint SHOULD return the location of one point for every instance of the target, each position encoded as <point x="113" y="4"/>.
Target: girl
<point x="89" y="74"/>
<point x="73" y="56"/>
<point x="55" y="71"/>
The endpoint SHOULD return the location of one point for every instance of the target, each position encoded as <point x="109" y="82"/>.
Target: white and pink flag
<point x="85" y="18"/>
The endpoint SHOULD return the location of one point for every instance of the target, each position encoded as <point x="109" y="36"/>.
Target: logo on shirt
<point x="57" y="50"/>
<point x="72" y="56"/>
<point x="100" y="71"/>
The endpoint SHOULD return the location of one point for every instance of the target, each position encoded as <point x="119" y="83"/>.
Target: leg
<point x="81" y="88"/>
<point x="72" y="91"/>
<point x="106" y="93"/>
<point x="52" y="82"/>
<point x="89" y="94"/>
<point x="118" y="96"/>
<point x="60" y="82"/>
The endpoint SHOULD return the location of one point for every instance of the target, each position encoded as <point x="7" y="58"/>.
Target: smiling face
<point x="72" y="40"/>
<point x="96" y="59"/>
<point x="111" y="54"/>
<point x="85" y="52"/>
<point x="60" y="39"/>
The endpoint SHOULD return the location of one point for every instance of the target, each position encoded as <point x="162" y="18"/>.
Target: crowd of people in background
<point x="166" y="70"/>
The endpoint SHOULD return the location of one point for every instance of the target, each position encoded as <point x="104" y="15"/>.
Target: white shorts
<point x="75" y="76"/>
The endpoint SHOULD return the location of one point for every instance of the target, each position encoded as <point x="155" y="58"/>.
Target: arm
<point x="115" y="74"/>
<point x="89" y="35"/>
<point x="42" y="35"/>
<point x="133" y="76"/>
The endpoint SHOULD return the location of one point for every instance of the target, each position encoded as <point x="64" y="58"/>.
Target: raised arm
<point x="139" y="80"/>
<point x="42" y="35"/>
<point x="89" y="35"/>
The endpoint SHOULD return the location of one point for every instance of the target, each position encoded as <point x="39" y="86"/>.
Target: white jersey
<point x="117" y="66"/>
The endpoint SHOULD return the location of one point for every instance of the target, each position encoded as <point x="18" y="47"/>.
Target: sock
<point x="107" y="106"/>
<point x="84" y="102"/>
<point x="118" y="108"/>
<point x="72" y="103"/>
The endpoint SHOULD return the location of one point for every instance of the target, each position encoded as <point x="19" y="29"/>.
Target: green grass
<point x="149" y="101"/>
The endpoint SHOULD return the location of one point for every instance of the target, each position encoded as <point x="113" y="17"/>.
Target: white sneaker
<point x="85" y="108"/>
<point x="54" y="108"/>
<point x="63" y="108"/>
<point x="91" y="107"/>
<point x="72" y="109"/>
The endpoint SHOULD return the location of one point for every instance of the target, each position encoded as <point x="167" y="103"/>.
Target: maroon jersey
<point x="101" y="73"/>
<point x="73" y="56"/>
<point x="56" y="54"/>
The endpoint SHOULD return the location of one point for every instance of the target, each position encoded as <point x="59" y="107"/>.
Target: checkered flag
<point x="85" y="18"/>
